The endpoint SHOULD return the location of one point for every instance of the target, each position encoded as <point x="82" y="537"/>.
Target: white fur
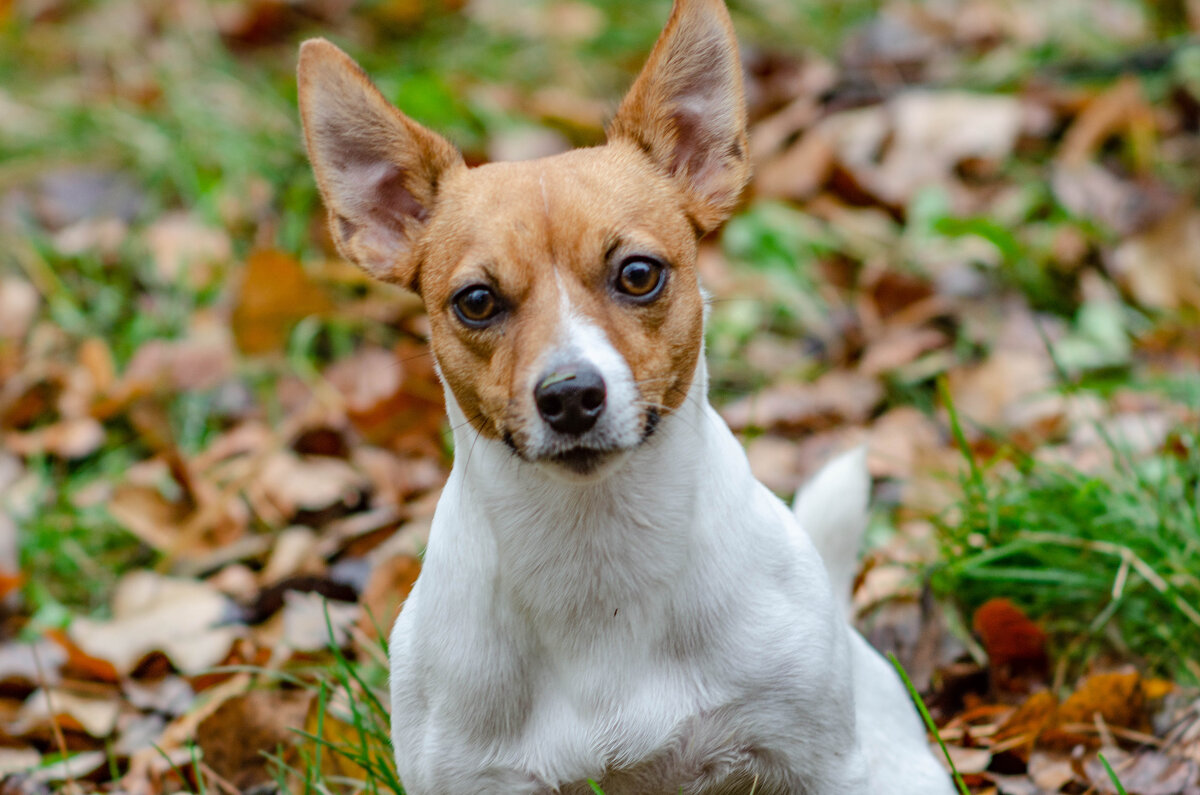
<point x="666" y="628"/>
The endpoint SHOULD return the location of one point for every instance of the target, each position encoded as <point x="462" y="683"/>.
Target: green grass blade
<point x="929" y="724"/>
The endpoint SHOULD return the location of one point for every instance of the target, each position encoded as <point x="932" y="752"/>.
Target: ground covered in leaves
<point x="972" y="243"/>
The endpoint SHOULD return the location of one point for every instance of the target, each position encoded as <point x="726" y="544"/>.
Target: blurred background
<point x="972" y="243"/>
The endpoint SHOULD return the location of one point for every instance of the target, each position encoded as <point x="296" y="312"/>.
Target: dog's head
<point x="562" y="294"/>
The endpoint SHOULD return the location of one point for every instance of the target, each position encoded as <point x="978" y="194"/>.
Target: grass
<point x="1106" y="561"/>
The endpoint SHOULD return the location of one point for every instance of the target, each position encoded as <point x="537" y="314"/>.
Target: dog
<point x="608" y="595"/>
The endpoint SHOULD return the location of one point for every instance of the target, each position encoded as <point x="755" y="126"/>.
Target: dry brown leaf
<point x="18" y="760"/>
<point x="96" y="717"/>
<point x="309" y="619"/>
<point x="184" y="619"/>
<point x="1020" y="731"/>
<point x="294" y="552"/>
<point x="73" y="768"/>
<point x="327" y="722"/>
<point x="28" y="664"/>
<point x="775" y="462"/>
<point x="800" y="171"/>
<point x="969" y="760"/>
<point x="200" y="361"/>
<point x="988" y="395"/>
<point x="896" y="347"/>
<point x="201" y="518"/>
<point x="409" y="418"/>
<point x="1111" y="111"/>
<point x="19" y="302"/>
<point x="388" y="585"/>
<point x="1161" y="266"/>
<point x="1016" y="647"/>
<point x="1117" y="699"/>
<point x="367" y="378"/>
<point x="293" y="483"/>
<point x="1092" y="192"/>
<point x="1049" y="771"/>
<point x="180" y="243"/>
<point x="1148" y="772"/>
<point x="72" y="438"/>
<point x="902" y="443"/>
<point x="239" y="734"/>
<point x="837" y="397"/>
<point x="920" y="138"/>
<point x="276" y="292"/>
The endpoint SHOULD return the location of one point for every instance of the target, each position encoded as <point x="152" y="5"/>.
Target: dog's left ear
<point x="687" y="112"/>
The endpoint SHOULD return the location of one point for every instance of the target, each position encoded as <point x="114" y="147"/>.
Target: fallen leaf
<point x="1051" y="772"/>
<point x="71" y="439"/>
<point x="902" y="443"/>
<point x="313" y="623"/>
<point x="969" y="760"/>
<point x="73" y="768"/>
<point x="332" y="722"/>
<point x="30" y="664"/>
<point x="835" y="398"/>
<point x="1115" y="698"/>
<point x="1161" y="265"/>
<point x="237" y="737"/>
<point x="276" y="293"/>
<point x="180" y="243"/>
<point x="1109" y="112"/>
<point x="1092" y="192"/>
<point x="897" y="347"/>
<point x="1016" y="647"/>
<point x="1018" y="734"/>
<point x="183" y="619"/>
<point x="390" y="582"/>
<point x="72" y="712"/>
<point x="987" y="395"/>
<point x="198" y="362"/>
<point x="19" y="302"/>
<point x="18" y="760"/>
<point x="1148" y="772"/>
<point x="920" y="138"/>
<point x="294" y="483"/>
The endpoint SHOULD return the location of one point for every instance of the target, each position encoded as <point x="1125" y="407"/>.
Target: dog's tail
<point x="832" y="509"/>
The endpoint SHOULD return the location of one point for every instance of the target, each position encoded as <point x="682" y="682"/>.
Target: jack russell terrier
<point x="608" y="594"/>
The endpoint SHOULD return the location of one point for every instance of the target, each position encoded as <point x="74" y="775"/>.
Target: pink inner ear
<point x="381" y="186"/>
<point x="393" y="202"/>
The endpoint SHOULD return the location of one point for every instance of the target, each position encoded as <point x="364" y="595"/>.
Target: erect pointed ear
<point x="378" y="170"/>
<point x="687" y="112"/>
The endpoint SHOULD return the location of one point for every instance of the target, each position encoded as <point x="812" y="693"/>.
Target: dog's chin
<point x="583" y="464"/>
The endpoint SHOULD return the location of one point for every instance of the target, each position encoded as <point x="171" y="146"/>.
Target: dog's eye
<point x="640" y="278"/>
<point x="476" y="305"/>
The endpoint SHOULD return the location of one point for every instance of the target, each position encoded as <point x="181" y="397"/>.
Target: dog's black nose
<point x="570" y="400"/>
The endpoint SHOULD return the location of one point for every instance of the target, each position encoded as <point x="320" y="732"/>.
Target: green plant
<point x="1104" y="560"/>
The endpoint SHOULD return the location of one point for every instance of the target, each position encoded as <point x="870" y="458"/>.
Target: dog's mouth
<point x="584" y="459"/>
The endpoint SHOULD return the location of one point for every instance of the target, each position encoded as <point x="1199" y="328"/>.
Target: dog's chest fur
<point x="641" y="631"/>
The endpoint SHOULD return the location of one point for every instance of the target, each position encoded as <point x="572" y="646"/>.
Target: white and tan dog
<point x="608" y="593"/>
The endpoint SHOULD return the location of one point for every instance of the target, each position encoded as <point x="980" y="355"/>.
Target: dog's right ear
<point x="377" y="169"/>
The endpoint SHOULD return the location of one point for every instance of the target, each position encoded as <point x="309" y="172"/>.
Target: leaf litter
<point x="976" y="261"/>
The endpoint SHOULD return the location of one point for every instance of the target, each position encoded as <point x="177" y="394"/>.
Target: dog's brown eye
<point x="476" y="306"/>
<point x="640" y="278"/>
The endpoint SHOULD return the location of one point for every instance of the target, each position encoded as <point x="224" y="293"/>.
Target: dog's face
<point x="564" y="306"/>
